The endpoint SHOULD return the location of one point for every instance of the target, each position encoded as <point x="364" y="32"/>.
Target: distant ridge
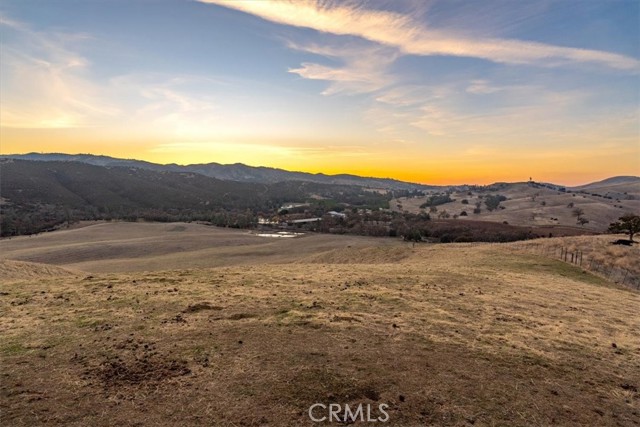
<point x="614" y="180"/>
<point x="234" y="172"/>
<point x="261" y="174"/>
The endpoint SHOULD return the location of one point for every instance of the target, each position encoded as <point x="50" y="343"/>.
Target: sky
<point x="429" y="91"/>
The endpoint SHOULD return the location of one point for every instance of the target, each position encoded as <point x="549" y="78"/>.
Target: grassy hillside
<point x="618" y="263"/>
<point x="617" y="185"/>
<point x="539" y="206"/>
<point x="124" y="247"/>
<point x="451" y="335"/>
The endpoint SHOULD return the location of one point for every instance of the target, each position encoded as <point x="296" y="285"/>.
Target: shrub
<point x="447" y="238"/>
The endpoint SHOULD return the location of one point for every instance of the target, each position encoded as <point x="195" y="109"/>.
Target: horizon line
<point x="310" y="172"/>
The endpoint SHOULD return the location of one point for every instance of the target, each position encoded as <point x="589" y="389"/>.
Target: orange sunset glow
<point x="304" y="87"/>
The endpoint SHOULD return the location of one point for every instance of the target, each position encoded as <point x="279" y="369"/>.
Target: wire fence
<point x="608" y="271"/>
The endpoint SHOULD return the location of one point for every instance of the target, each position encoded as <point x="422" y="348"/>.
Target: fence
<point x="610" y="272"/>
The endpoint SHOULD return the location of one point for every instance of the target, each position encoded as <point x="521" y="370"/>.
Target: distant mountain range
<point x="235" y="172"/>
<point x="259" y="174"/>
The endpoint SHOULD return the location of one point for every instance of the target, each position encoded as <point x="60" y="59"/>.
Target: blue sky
<point x="428" y="91"/>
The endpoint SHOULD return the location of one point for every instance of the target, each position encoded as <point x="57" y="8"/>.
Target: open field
<point x="125" y="246"/>
<point x="132" y="326"/>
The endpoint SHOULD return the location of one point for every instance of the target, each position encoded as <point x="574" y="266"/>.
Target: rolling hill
<point x="182" y="324"/>
<point x="235" y="172"/>
<point x="533" y="204"/>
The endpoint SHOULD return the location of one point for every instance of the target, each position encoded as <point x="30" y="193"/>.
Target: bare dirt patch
<point x="148" y="369"/>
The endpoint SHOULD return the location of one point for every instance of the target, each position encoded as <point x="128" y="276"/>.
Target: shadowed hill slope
<point x="235" y="172"/>
<point x="37" y="196"/>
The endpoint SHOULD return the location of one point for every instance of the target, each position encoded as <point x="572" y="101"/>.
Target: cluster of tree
<point x="408" y="193"/>
<point x="437" y="200"/>
<point x="420" y="227"/>
<point x="31" y="219"/>
<point x="34" y="219"/>
<point x="492" y="201"/>
<point x="548" y="186"/>
<point x="449" y="231"/>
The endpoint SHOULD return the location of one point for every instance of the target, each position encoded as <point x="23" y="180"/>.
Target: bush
<point x="447" y="238"/>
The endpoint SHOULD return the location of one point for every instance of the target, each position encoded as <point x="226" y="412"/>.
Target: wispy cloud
<point x="47" y="83"/>
<point x="177" y="106"/>
<point x="411" y="37"/>
<point x="447" y="113"/>
<point x="364" y="67"/>
<point x="44" y="83"/>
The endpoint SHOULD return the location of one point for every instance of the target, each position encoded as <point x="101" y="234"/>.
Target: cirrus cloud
<point x="413" y="38"/>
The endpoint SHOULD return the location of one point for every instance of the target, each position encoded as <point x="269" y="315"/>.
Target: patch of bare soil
<point x="116" y="372"/>
<point x="130" y="363"/>
<point x="201" y="306"/>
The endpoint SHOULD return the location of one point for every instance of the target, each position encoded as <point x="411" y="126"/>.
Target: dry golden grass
<point x="445" y="334"/>
<point x="124" y="247"/>
<point x="12" y="270"/>
<point x="525" y="206"/>
<point x="611" y="261"/>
